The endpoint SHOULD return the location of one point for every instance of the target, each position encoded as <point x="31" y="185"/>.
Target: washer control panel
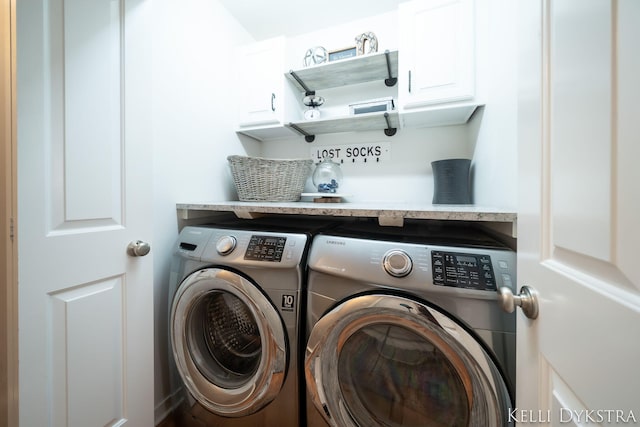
<point x="463" y="270"/>
<point x="265" y="248"/>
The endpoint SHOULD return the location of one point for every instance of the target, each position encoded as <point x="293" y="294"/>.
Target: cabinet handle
<point x="273" y="104"/>
<point x="409" y="81"/>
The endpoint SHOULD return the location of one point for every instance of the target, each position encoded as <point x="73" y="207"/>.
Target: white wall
<point x="494" y="131"/>
<point x="489" y="138"/>
<point x="384" y="26"/>
<point x="404" y="178"/>
<point x="193" y="134"/>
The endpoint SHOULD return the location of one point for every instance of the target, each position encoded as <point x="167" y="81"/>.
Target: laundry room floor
<point x="179" y="418"/>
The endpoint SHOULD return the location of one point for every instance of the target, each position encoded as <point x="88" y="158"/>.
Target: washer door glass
<point x="386" y="360"/>
<point x="224" y="339"/>
<point x="391" y="375"/>
<point x="228" y="341"/>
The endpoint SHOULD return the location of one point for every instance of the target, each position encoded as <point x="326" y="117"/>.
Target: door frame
<point x="8" y="211"/>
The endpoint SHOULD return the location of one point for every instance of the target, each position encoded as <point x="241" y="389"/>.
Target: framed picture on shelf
<point x="348" y="52"/>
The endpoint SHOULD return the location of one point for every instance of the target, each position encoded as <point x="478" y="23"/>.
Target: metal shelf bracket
<point x="391" y="81"/>
<point x="389" y="131"/>
<point x="307" y="136"/>
<point x="307" y="91"/>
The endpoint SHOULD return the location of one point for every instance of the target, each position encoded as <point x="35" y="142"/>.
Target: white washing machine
<point x="405" y="329"/>
<point x="234" y="323"/>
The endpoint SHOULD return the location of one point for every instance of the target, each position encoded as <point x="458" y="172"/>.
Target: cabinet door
<point x="436" y="52"/>
<point x="261" y="83"/>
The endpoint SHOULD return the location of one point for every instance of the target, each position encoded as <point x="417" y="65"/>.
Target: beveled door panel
<point x="87" y="332"/>
<point x="84" y="111"/>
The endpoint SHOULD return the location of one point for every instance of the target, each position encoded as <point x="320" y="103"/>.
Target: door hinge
<point x="11" y="229"/>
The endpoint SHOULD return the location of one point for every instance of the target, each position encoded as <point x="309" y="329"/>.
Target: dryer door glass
<point x="401" y="362"/>
<point x="391" y="376"/>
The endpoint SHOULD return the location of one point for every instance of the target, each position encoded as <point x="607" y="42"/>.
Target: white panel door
<point x="578" y="228"/>
<point x="84" y="183"/>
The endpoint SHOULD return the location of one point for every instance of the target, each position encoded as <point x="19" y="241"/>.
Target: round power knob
<point x="226" y="245"/>
<point x="397" y="263"/>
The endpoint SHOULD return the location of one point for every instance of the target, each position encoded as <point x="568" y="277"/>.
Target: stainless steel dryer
<point x="404" y="327"/>
<point x="234" y="323"/>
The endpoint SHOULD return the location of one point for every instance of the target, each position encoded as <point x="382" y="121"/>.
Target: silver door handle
<point x="138" y="248"/>
<point x="527" y="300"/>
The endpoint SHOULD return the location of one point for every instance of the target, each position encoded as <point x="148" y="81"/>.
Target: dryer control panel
<point x="463" y="270"/>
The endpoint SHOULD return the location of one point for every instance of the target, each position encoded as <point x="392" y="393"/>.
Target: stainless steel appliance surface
<point x="235" y="321"/>
<point x="404" y="327"/>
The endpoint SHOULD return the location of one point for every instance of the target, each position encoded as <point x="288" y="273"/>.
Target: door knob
<point x="138" y="248"/>
<point x="527" y="300"/>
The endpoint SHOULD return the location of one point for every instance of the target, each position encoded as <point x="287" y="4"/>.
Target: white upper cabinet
<point x="436" y="63"/>
<point x="261" y="104"/>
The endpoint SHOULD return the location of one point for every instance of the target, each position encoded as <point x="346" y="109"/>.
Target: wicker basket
<point x="269" y="180"/>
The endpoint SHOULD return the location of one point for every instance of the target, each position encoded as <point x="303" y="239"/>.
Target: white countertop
<point x="392" y="214"/>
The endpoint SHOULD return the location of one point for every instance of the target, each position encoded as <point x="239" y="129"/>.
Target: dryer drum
<point x="401" y="363"/>
<point x="381" y="365"/>
<point x="231" y="333"/>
